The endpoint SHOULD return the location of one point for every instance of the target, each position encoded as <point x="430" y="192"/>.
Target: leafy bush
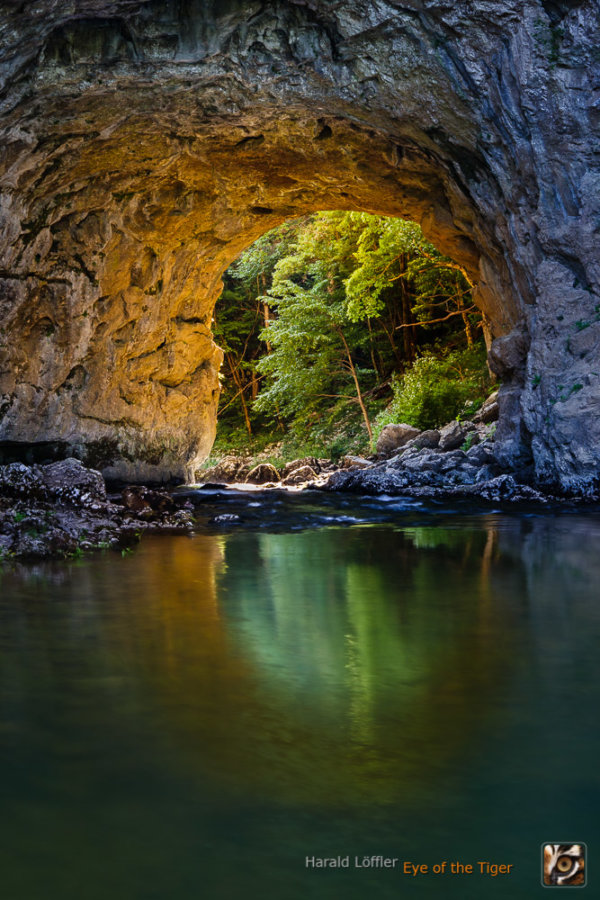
<point x="436" y="390"/>
<point x="333" y="433"/>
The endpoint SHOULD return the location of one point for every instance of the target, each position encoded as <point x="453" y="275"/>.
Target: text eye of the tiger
<point x="564" y="863"/>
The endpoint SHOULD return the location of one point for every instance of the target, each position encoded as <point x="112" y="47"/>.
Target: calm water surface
<point x="194" y="719"/>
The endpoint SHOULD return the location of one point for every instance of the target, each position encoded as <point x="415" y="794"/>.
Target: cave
<point x="145" y="144"/>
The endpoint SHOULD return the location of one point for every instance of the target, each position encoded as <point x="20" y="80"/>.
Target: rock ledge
<point x="62" y="510"/>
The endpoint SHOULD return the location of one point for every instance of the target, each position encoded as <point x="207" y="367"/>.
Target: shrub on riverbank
<point x="437" y="389"/>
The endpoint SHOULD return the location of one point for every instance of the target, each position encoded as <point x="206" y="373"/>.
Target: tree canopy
<point x="322" y="317"/>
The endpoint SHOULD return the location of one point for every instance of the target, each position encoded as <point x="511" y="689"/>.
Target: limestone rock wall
<point x="144" y="145"/>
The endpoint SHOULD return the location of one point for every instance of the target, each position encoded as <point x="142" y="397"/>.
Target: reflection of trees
<point x="385" y="654"/>
<point x="349" y="663"/>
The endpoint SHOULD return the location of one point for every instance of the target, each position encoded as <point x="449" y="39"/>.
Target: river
<point x="328" y="677"/>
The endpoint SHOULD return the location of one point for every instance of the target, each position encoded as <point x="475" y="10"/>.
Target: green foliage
<point x="581" y="325"/>
<point x="393" y="255"/>
<point x="239" y="318"/>
<point x="574" y="389"/>
<point x="320" y="317"/>
<point x="469" y="441"/>
<point x="233" y="438"/>
<point x="384" y="247"/>
<point x="436" y="390"/>
<point x="308" y="363"/>
<point x="254" y="267"/>
<point x="335" y="433"/>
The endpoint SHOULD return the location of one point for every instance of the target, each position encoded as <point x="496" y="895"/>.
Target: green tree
<point x="239" y="317"/>
<point x="436" y="389"/>
<point x="317" y="351"/>
<point x="393" y="256"/>
<point x="327" y="312"/>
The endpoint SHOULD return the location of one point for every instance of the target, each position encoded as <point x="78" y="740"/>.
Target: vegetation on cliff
<point x="337" y="323"/>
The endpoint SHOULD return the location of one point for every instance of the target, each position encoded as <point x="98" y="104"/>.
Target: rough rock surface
<point x="489" y="412"/>
<point x="428" y="472"/>
<point x="144" y="144"/>
<point x="63" y="510"/>
<point x="263" y="473"/>
<point x="228" y="470"/>
<point x="240" y="470"/>
<point x="453" y="436"/>
<point x="347" y="462"/>
<point x="393" y="437"/>
<point x="294" y="464"/>
<point x="428" y="439"/>
<point x="301" y="475"/>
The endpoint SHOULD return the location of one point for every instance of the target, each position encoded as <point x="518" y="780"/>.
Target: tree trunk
<point x="468" y="329"/>
<point x="407" y="318"/>
<point x="239" y="384"/>
<point x="376" y="368"/>
<point x="359" y="395"/>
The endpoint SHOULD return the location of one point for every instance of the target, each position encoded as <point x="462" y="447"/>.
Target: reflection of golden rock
<point x="298" y="671"/>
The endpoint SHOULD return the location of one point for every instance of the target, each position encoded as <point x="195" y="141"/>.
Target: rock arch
<point x="145" y="144"/>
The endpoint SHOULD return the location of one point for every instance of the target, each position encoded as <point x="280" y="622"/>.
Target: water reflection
<point x="415" y="666"/>
<point x="355" y="663"/>
<point x="372" y="659"/>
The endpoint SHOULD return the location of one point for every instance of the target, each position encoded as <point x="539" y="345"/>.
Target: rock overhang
<point x="146" y="145"/>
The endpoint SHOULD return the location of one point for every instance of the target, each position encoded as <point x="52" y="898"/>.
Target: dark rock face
<point x="428" y="439"/>
<point x="145" y="502"/>
<point x="143" y="145"/>
<point x="452" y="436"/>
<point x="414" y="472"/>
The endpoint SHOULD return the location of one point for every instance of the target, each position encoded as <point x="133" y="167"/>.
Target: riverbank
<point x="458" y="460"/>
<point x="63" y="510"/>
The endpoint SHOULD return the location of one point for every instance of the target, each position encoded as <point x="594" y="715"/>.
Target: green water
<point x="195" y="719"/>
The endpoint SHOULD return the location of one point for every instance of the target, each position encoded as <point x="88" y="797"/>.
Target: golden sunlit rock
<point x="143" y="148"/>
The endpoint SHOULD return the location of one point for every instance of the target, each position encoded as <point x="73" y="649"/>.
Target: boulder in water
<point x="228" y="470"/>
<point x="349" y="462"/>
<point x="140" y="499"/>
<point x="301" y="463"/>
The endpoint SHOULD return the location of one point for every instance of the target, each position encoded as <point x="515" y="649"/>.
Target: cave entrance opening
<point x="116" y="359"/>
<point x="333" y="325"/>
